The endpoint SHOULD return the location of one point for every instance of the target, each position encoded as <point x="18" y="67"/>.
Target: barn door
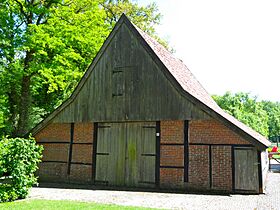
<point x="140" y="154"/>
<point x="126" y="154"/>
<point x="110" y="154"/>
<point x="246" y="169"/>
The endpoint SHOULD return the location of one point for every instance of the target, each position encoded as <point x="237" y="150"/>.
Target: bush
<point x="19" y="160"/>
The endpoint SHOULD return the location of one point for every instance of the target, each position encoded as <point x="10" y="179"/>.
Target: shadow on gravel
<point x="111" y="188"/>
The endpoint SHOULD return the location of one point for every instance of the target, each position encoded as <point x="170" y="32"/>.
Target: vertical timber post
<point x="210" y="166"/>
<point x="186" y="151"/>
<point x="70" y="148"/>
<point x="233" y="168"/>
<point x="94" y="149"/>
<point x="157" y="172"/>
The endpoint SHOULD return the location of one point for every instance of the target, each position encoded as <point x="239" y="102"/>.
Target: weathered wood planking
<point x="126" y="154"/>
<point x="246" y="169"/>
<point x="110" y="156"/>
<point x="127" y="85"/>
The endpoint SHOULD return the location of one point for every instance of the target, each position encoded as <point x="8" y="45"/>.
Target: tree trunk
<point x="24" y="105"/>
<point x="25" y="97"/>
<point x="13" y="102"/>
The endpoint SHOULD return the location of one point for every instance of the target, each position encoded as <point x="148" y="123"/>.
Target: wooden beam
<point x="186" y="151"/>
<point x="94" y="149"/>
<point x="52" y="142"/>
<point x="238" y="145"/>
<point x="157" y="169"/>
<point x="182" y="167"/>
<point x="210" y="166"/>
<point x="70" y="148"/>
<point x="233" y="168"/>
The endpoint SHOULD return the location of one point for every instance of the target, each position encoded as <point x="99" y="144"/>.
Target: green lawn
<point x="51" y="205"/>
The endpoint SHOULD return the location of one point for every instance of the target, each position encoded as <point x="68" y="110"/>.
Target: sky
<point x="229" y="45"/>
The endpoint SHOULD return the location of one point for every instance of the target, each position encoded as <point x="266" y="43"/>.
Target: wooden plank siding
<point x="126" y="154"/>
<point x="246" y="165"/>
<point x="127" y="85"/>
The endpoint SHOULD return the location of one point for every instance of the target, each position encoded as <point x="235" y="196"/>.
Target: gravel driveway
<point x="271" y="200"/>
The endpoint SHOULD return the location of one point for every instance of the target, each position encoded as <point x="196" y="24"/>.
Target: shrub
<point x="19" y="160"/>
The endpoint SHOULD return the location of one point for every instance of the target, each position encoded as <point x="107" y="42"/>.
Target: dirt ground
<point x="268" y="201"/>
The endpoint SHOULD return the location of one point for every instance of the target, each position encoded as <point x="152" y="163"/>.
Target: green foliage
<point x="246" y="109"/>
<point x="18" y="160"/>
<point x="273" y="110"/>
<point x="46" y="46"/>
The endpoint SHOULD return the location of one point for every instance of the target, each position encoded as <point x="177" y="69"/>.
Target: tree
<point x="273" y="110"/>
<point x="45" y="47"/>
<point x="246" y="109"/>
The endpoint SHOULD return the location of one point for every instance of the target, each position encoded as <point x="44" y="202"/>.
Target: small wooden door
<point x="126" y="154"/>
<point x="246" y="169"/>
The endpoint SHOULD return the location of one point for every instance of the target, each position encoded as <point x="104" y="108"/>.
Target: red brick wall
<point x="55" y="132"/>
<point x="221" y="168"/>
<point x="80" y="173"/>
<point x="171" y="177"/>
<point x="81" y="153"/>
<point x="172" y="155"/>
<point x="199" y="166"/>
<point x="83" y="132"/>
<point x="55" y="152"/>
<point x="212" y="132"/>
<point x="172" y="132"/>
<point x="202" y="132"/>
<point x="52" y="172"/>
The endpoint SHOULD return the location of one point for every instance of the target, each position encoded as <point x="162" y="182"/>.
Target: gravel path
<point x="269" y="201"/>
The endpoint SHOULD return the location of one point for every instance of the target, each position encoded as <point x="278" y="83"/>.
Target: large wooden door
<point x="246" y="169"/>
<point x="126" y="154"/>
<point x="110" y="154"/>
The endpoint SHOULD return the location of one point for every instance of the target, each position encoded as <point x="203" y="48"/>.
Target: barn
<point x="139" y="119"/>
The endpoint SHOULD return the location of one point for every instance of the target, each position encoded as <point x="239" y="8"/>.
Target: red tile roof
<point x="190" y="84"/>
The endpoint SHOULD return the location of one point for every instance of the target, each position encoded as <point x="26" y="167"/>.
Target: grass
<point x="51" y="204"/>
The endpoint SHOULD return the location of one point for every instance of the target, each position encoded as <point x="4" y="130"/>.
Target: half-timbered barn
<point x="139" y="118"/>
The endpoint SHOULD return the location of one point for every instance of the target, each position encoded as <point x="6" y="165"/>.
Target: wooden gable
<point x="124" y="83"/>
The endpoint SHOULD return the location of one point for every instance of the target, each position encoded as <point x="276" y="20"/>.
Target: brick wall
<point x="55" y="152"/>
<point x="82" y="153"/>
<point x="52" y="172"/>
<point x="172" y="153"/>
<point x="212" y="132"/>
<point x="201" y="132"/>
<point x="83" y="133"/>
<point x="58" y="153"/>
<point x="221" y="168"/>
<point x="80" y="173"/>
<point x="199" y="166"/>
<point x="54" y="132"/>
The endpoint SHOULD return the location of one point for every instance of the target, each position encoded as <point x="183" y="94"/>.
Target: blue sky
<point x="228" y="45"/>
